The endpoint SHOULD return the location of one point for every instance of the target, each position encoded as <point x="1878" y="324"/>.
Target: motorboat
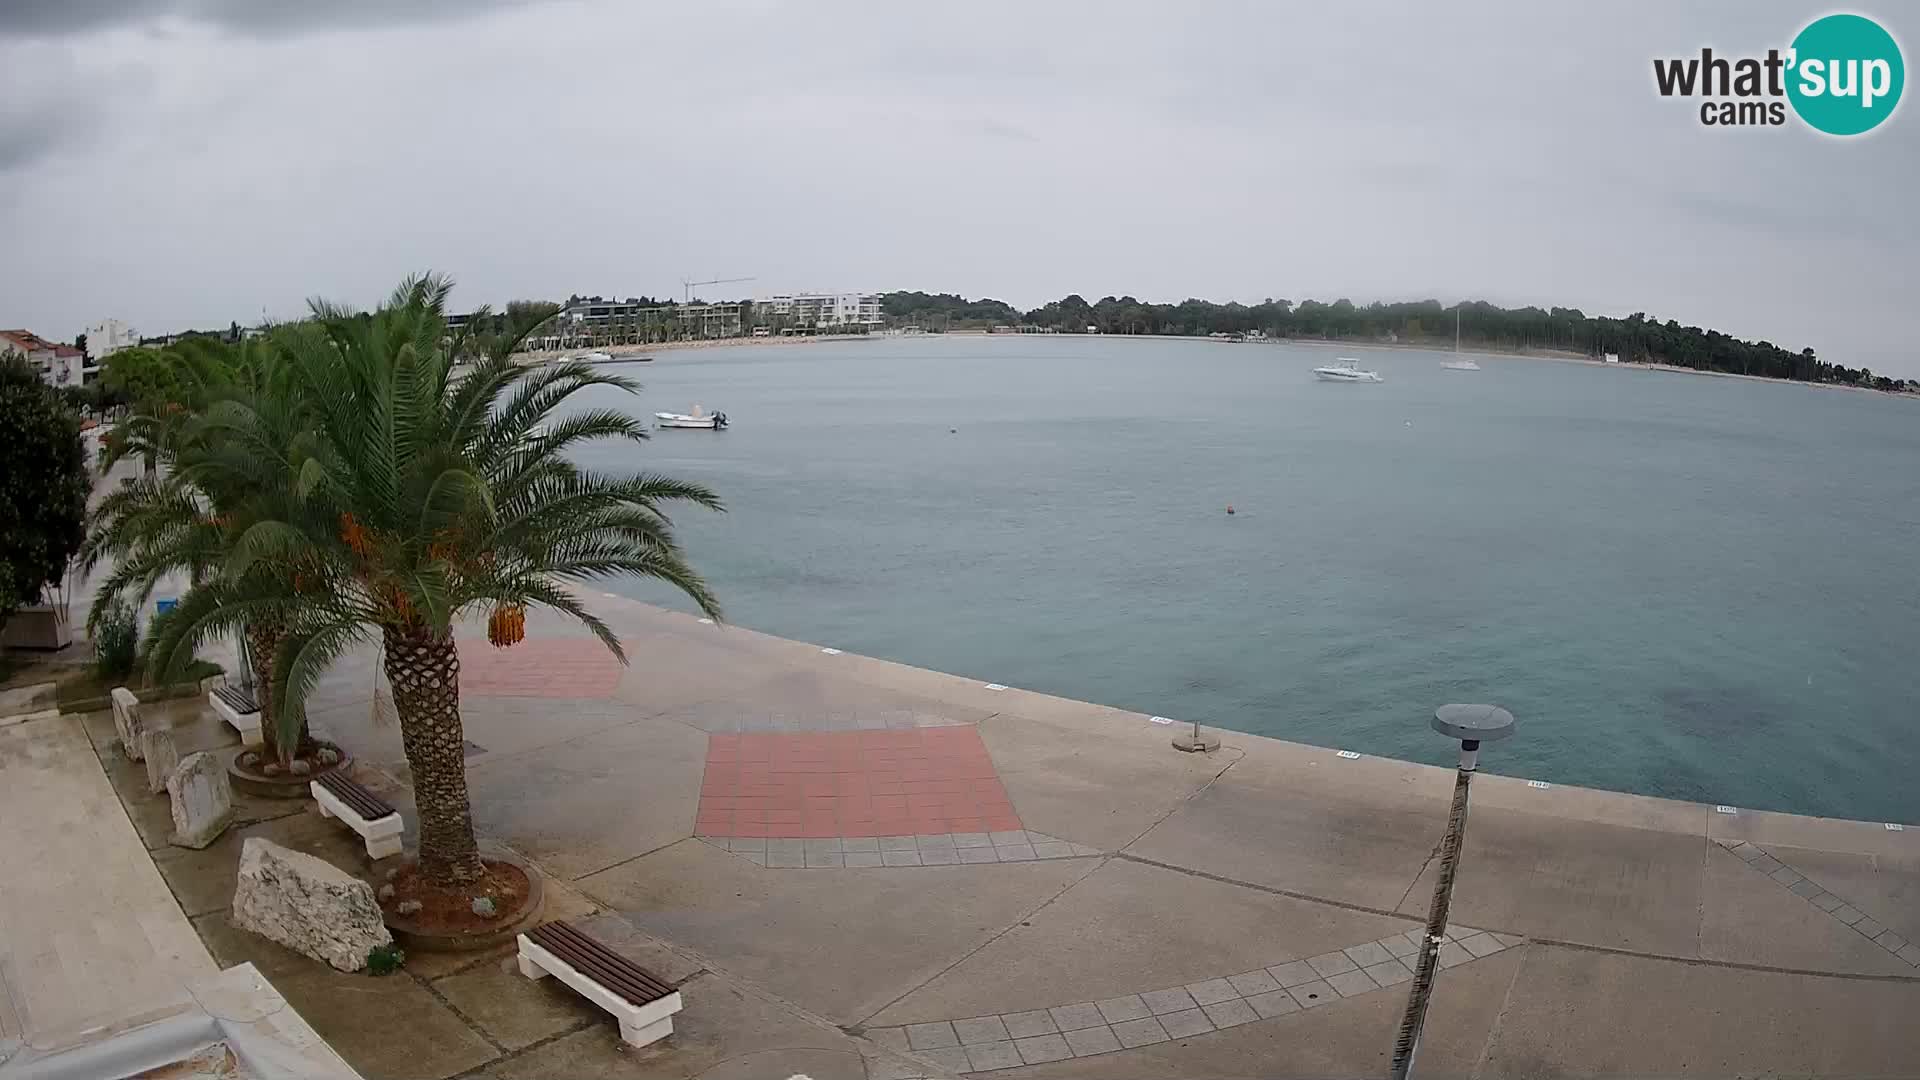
<point x="1346" y="369"/>
<point x="699" y="419"/>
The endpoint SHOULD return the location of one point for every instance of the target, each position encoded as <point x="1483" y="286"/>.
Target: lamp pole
<point x="1472" y="725"/>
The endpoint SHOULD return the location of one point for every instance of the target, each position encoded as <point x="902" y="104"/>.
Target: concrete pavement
<point x="1636" y="935"/>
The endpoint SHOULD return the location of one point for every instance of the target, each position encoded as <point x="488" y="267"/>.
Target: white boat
<point x="699" y="419"/>
<point x="1346" y="369"/>
<point x="1458" y="363"/>
<point x="595" y="357"/>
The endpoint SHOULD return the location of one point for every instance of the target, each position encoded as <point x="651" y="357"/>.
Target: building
<point x="110" y="337"/>
<point x="820" y="311"/>
<point x="58" y="365"/>
<point x="596" y="323"/>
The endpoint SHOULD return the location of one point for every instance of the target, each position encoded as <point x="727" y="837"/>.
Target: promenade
<point x="870" y="870"/>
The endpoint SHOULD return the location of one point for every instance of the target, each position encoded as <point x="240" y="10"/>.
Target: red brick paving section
<point x="537" y="667"/>
<point x="852" y="783"/>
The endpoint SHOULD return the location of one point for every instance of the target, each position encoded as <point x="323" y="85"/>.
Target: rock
<point x="408" y="907"/>
<point x="328" y="757"/>
<point x="301" y="768"/>
<point x="271" y="768"/>
<point x="307" y="904"/>
<point x="385" y="892"/>
<point x="162" y="758"/>
<point x="483" y="906"/>
<point x="126" y="720"/>
<point x="250" y="759"/>
<point x="202" y="801"/>
<point x="393" y="872"/>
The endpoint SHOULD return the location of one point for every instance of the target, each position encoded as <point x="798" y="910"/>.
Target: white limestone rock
<point x="126" y="720"/>
<point x="162" y="758"/>
<point x="307" y="904"/>
<point x="202" y="799"/>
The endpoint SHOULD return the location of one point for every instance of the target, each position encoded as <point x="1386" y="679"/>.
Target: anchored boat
<point x="699" y="419"/>
<point x="1346" y="369"/>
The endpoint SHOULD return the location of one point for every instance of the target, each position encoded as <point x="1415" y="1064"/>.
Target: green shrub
<point x="385" y="959"/>
<point x="116" y="642"/>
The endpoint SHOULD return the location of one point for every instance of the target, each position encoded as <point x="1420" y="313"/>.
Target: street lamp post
<point x="1472" y="725"/>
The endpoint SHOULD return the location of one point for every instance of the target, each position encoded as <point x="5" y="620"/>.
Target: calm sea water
<point x="1692" y="587"/>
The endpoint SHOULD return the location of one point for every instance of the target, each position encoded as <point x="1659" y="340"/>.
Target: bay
<point x="1686" y="586"/>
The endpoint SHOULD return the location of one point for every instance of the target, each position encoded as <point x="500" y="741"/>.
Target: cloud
<point x="264" y="18"/>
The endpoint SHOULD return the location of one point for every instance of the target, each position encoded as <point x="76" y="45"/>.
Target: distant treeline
<point x="1635" y="338"/>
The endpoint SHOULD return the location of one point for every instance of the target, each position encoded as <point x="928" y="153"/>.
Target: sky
<point x="178" y="163"/>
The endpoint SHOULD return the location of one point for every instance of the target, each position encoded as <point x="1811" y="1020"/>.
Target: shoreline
<point x="1557" y="356"/>
<point x="1609" y="805"/>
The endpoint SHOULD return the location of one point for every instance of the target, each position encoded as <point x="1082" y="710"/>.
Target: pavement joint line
<point x="485" y="1068"/>
<point x="1735" y="965"/>
<point x="1108" y="1025"/>
<point x="871" y="852"/>
<point x="1012" y="924"/>
<point x="472" y="1025"/>
<point x="1797" y="883"/>
<point x="622" y="862"/>
<point x="1121" y="851"/>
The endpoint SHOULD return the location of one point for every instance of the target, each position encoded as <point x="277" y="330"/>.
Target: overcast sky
<point x="189" y="162"/>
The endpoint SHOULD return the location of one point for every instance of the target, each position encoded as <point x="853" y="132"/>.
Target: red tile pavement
<point x="852" y="783"/>
<point x="539" y="667"/>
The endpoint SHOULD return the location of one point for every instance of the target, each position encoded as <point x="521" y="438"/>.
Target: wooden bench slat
<point x="596" y="960"/>
<point x="237" y="698"/>
<point x="593" y="959"/>
<point x="363" y="802"/>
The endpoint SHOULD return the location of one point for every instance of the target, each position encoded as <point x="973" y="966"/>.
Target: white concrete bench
<point x="238" y="709"/>
<point x="643" y="1002"/>
<point x="364" y="812"/>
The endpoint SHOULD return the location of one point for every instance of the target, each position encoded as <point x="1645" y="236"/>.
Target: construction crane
<point x="713" y="281"/>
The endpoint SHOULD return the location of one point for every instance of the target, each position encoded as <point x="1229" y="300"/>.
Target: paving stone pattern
<point x="1810" y="891"/>
<point x="1008" y="1040"/>
<point x="929" y="849"/>
<point x="822" y="784"/>
<point x="538" y="667"/>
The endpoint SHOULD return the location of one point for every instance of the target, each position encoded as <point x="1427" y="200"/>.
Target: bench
<point x="364" y="812"/>
<point x="236" y="706"/>
<point x="643" y="1002"/>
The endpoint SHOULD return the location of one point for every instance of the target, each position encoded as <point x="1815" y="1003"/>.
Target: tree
<point x="225" y="448"/>
<point x="422" y="497"/>
<point x="80" y="343"/>
<point x="43" y="486"/>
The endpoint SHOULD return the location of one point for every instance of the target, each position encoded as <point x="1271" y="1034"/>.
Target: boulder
<point x="126" y="720"/>
<point x="307" y="904"/>
<point x="162" y="757"/>
<point x="202" y="799"/>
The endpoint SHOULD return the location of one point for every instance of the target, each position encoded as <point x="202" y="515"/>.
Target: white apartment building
<point x="820" y="310"/>
<point x="110" y="337"/>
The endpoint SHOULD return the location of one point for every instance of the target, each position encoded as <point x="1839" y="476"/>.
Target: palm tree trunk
<point x="423" y="668"/>
<point x="263" y="641"/>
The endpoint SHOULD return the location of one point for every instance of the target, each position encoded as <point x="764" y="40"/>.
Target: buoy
<point x="953" y="431"/>
<point x="1229" y="509"/>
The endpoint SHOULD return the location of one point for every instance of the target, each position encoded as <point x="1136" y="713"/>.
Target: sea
<point x="1686" y="586"/>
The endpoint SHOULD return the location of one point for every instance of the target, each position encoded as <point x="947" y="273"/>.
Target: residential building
<point x="59" y="365"/>
<point x="820" y="311"/>
<point x="110" y="337"/>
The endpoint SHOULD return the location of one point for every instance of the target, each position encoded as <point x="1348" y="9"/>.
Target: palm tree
<point x="226" y="448"/>
<point x="428" y="494"/>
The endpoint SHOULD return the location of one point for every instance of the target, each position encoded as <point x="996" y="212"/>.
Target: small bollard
<point x="1194" y="742"/>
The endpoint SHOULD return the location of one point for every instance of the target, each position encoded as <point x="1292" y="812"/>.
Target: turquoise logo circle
<point x="1847" y="75"/>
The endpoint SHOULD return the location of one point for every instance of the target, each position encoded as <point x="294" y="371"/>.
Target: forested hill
<point x="1482" y="325"/>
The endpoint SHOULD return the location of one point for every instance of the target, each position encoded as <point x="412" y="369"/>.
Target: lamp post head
<point x="1473" y="724"/>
